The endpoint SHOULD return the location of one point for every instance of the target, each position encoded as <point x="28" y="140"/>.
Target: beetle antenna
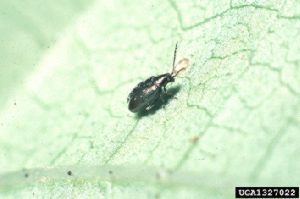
<point x="183" y="64"/>
<point x="174" y="58"/>
<point x="175" y="73"/>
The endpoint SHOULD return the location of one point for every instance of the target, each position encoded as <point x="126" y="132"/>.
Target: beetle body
<point x="144" y="96"/>
<point x="146" y="93"/>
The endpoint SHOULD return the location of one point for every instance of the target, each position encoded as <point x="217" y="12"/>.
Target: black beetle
<point x="146" y="93"/>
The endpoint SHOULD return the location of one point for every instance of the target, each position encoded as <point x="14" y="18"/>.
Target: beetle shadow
<point x="171" y="92"/>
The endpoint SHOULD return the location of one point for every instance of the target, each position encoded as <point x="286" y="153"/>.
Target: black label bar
<point x="267" y="192"/>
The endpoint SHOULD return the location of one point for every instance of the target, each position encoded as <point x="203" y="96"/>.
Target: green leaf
<point x="66" y="132"/>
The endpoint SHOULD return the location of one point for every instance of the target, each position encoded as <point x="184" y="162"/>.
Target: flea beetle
<point x="144" y="96"/>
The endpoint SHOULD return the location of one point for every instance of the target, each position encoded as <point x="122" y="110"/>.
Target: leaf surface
<point x="65" y="132"/>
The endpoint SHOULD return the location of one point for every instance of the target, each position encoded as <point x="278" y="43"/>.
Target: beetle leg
<point x="162" y="99"/>
<point x="149" y="107"/>
<point x="161" y="96"/>
<point x="168" y="94"/>
<point x="164" y="89"/>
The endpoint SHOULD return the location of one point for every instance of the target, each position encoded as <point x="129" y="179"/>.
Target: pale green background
<point x="66" y="69"/>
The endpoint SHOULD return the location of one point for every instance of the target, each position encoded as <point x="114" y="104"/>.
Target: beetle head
<point x="170" y="78"/>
